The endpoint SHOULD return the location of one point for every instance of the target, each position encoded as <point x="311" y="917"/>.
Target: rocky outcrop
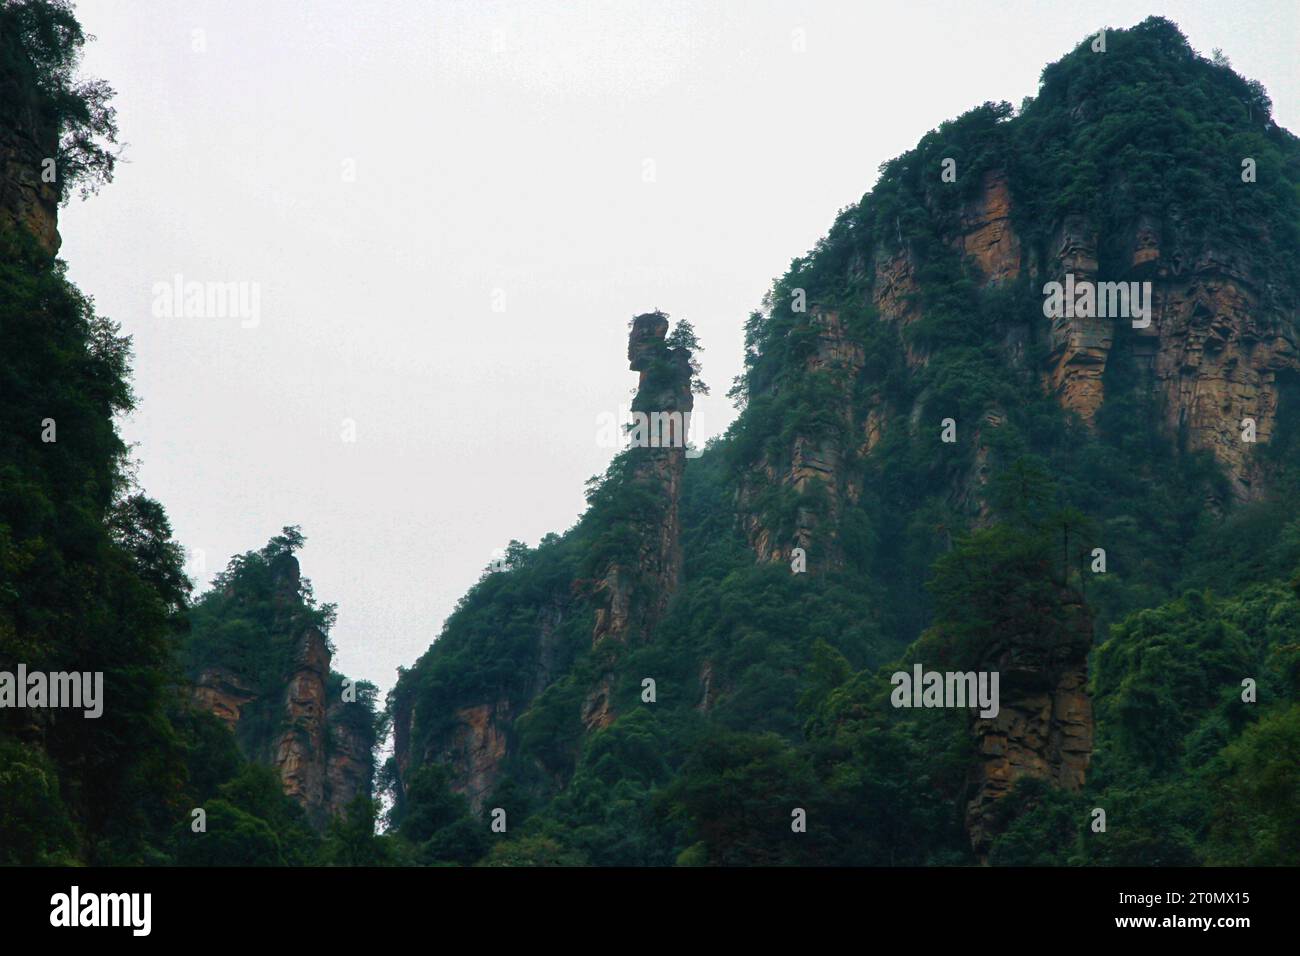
<point x="1079" y="345"/>
<point x="817" y="467"/>
<point x="1218" y="343"/>
<point x="478" y="738"/>
<point x="985" y="234"/>
<point x="224" y="694"/>
<point x="299" y="751"/>
<point x="633" y="593"/>
<point x="26" y="200"/>
<point x="319" y="744"/>
<point x="1044" y="725"/>
<point x="349" y="764"/>
<point x="475" y="750"/>
<point x="1217" y="350"/>
<point x="658" y="461"/>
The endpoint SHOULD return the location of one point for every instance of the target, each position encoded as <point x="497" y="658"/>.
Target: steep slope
<point x="91" y="580"/>
<point x="259" y="660"/>
<point x="929" y="469"/>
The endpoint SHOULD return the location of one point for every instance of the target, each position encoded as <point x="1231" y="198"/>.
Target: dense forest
<point x="772" y="687"/>
<point x="91" y="578"/>
<point x="749" y="679"/>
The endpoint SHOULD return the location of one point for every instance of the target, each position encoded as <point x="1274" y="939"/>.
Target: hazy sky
<point x="443" y="208"/>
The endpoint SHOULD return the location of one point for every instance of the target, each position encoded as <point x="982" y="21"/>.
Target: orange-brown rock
<point x="299" y="753"/>
<point x="631" y="596"/>
<point x="320" y="745"/>
<point x="1044" y="725"/>
<point x="816" y="464"/>
<point x="349" y="766"/>
<point x="27" y="201"/>
<point x="1080" y="346"/>
<point x="223" y="693"/>
<point x="475" y="750"/>
<point x="986" y="234"/>
<point x="1217" y="355"/>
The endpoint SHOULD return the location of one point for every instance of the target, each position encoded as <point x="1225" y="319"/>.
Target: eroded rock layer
<point x="319" y="744"/>
<point x="1044" y="725"/>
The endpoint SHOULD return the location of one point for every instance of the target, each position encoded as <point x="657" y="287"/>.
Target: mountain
<point x="941" y="464"/>
<point x="998" y="564"/>
<point x="258" y="657"/>
<point x="92" y="582"/>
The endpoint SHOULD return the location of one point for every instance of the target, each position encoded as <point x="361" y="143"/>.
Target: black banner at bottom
<point x="565" y="906"/>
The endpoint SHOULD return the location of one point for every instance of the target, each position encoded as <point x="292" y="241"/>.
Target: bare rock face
<point x="349" y="764"/>
<point x="664" y="396"/>
<point x="1079" y="345"/>
<point x="224" y="694"/>
<point x="1044" y="726"/>
<point x="26" y="200"/>
<point x="321" y="746"/>
<point x="481" y="736"/>
<point x="985" y="233"/>
<point x="631" y="596"/>
<point x="985" y="237"/>
<point x="1217" y="354"/>
<point x="816" y="465"/>
<point x="299" y="753"/>
<point x="1218" y="345"/>
<point x="475" y="750"/>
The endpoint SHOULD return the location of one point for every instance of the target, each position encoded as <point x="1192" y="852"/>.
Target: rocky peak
<point x="646" y="341"/>
<point x="291" y="715"/>
<point x="631" y="596"/>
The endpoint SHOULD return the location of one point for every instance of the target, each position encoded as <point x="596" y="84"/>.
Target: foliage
<point x="40" y="49"/>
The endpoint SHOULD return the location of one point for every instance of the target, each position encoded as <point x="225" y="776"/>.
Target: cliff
<point x="633" y="590"/>
<point x="923" y="447"/>
<point x="27" y="199"/>
<point x="1044" y="727"/>
<point x="629" y="585"/>
<point x="282" y="702"/>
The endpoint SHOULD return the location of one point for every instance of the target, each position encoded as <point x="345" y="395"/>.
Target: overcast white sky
<point x="495" y="146"/>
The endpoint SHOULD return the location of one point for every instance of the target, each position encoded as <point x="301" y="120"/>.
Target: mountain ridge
<point x="836" y="494"/>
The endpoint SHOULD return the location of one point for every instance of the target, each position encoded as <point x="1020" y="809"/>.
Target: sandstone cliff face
<point x="817" y="465"/>
<point x="224" y="694"/>
<point x="480" y="737"/>
<point x="632" y="595"/>
<point x="1044" y="726"/>
<point x="476" y="749"/>
<point x="299" y="751"/>
<point x="349" y="764"/>
<point x="26" y="200"/>
<point x="1218" y="345"/>
<point x="321" y="746"/>
<point x="986" y="238"/>
<point x="1217" y="354"/>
